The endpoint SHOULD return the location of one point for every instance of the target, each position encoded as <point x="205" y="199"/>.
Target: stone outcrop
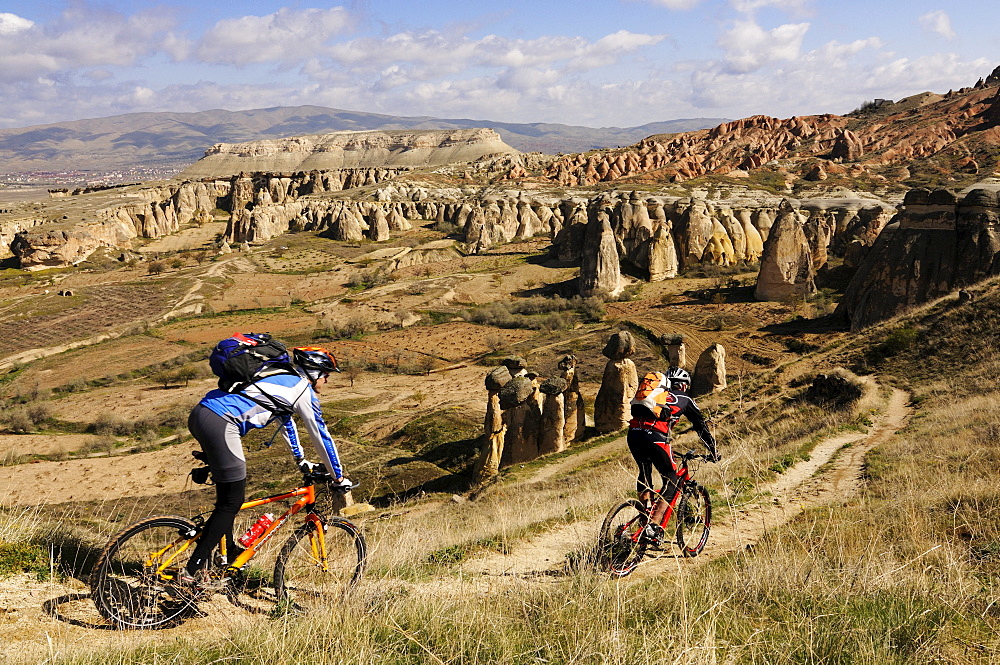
<point x="936" y="243"/>
<point x="786" y="267"/>
<point x="618" y="385"/>
<point x="575" y="417"/>
<point x="676" y="351"/>
<point x="262" y="206"/>
<point x="349" y="150"/>
<point x="710" y="371"/>
<point x="552" y="436"/>
<point x="600" y="271"/>
<point x="913" y="129"/>
<point x="522" y="420"/>
<point x="527" y="417"/>
<point x="488" y="463"/>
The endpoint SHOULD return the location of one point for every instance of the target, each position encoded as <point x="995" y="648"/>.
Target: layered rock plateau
<point x="349" y="150"/>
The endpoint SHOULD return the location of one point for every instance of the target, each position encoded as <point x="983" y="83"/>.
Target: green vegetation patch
<point x="23" y="558"/>
<point x="538" y="313"/>
<point x="447" y="438"/>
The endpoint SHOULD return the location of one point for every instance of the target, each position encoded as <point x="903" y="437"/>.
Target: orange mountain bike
<point x="623" y="540"/>
<point x="134" y="582"/>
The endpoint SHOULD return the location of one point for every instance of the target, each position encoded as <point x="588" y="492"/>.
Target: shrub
<point x="110" y="424"/>
<point x="18" y="421"/>
<point x="368" y="279"/>
<point x="23" y="558"/>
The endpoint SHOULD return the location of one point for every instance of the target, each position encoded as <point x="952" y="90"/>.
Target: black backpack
<point x="241" y="359"/>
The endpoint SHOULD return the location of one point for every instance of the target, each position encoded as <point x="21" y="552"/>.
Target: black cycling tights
<point x="228" y="499"/>
<point x="652" y="451"/>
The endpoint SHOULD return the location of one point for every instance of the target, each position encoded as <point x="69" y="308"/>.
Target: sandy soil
<point x="189" y="238"/>
<point x="13" y="445"/>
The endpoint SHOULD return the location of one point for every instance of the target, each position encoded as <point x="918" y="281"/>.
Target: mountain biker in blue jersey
<point x="220" y="420"/>
<point x="658" y="404"/>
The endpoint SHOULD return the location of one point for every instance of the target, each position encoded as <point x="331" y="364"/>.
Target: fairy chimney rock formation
<point x="522" y="420"/>
<point x="676" y="351"/>
<point x="786" y="267"/>
<point x="600" y="271"/>
<point x="552" y="439"/>
<point x="710" y="371"/>
<point x="488" y="464"/>
<point x="618" y="385"/>
<point x="662" y="255"/>
<point x="954" y="241"/>
<point x="515" y="365"/>
<point x="575" y="416"/>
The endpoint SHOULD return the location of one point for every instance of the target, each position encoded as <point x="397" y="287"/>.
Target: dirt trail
<point x="827" y="476"/>
<point x="27" y="607"/>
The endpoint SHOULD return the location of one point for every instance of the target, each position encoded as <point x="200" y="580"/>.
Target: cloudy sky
<point x="586" y="62"/>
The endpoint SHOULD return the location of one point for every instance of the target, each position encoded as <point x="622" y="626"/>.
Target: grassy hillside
<point x="904" y="572"/>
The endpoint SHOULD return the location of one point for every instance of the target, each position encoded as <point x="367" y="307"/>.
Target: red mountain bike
<point x="622" y="542"/>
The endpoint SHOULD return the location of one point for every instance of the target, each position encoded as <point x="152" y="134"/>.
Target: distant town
<point x="83" y="178"/>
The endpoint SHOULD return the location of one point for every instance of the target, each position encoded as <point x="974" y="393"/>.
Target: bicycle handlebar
<point x="690" y="455"/>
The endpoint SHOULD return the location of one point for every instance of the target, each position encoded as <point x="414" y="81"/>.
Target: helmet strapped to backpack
<point x="315" y="361"/>
<point x="245" y="357"/>
<point x="678" y="380"/>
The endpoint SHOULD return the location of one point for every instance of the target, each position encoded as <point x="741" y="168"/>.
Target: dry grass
<point x="906" y="572"/>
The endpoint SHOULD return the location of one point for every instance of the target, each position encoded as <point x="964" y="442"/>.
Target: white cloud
<point x="750" y="6"/>
<point x="677" y="4"/>
<point x="938" y="23"/>
<point x="12" y="23"/>
<point x="79" y="38"/>
<point x="749" y="47"/>
<point x="284" y="36"/>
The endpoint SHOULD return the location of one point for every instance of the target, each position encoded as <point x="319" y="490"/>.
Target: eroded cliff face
<point x="963" y="127"/>
<point x="350" y="150"/>
<point x="935" y="244"/>
<point x="262" y="206"/>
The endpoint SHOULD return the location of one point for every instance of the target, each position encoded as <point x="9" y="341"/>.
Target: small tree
<point x="186" y="373"/>
<point x="155" y="267"/>
<point x="166" y="377"/>
<point x="353" y="370"/>
<point x="177" y="263"/>
<point x="426" y="363"/>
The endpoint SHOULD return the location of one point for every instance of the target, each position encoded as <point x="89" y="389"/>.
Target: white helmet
<point x="678" y="380"/>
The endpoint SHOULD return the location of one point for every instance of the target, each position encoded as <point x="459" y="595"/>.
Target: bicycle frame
<point x="307" y="499"/>
<point x="683" y="477"/>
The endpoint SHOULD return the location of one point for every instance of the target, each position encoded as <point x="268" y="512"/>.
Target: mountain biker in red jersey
<point x="221" y="418"/>
<point x="658" y="404"/>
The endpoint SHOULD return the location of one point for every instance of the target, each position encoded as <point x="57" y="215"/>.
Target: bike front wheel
<point x="306" y="582"/>
<point x="621" y="544"/>
<point x="134" y="581"/>
<point x="694" y="518"/>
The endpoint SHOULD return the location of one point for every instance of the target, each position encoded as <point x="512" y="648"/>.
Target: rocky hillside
<point x="921" y="139"/>
<point x="323" y="152"/>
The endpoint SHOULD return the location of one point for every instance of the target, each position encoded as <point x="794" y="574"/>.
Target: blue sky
<point x="596" y="63"/>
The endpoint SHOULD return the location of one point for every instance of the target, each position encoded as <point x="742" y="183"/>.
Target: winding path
<point x="833" y="472"/>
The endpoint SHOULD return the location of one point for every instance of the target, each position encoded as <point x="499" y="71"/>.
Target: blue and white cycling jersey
<point x="254" y="407"/>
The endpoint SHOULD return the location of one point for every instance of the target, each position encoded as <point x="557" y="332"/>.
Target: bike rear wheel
<point x="134" y="581"/>
<point x="694" y="518"/>
<point x="621" y="544"/>
<point x="303" y="582"/>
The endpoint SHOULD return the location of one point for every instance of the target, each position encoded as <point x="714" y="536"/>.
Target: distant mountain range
<point x="174" y="140"/>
